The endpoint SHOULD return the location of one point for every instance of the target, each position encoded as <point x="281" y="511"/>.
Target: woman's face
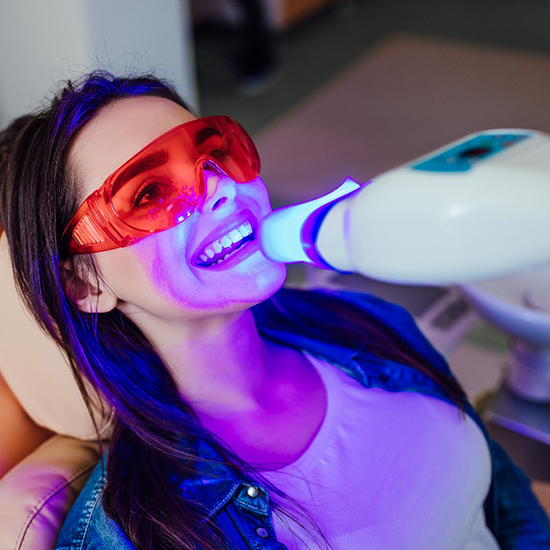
<point x="161" y="275"/>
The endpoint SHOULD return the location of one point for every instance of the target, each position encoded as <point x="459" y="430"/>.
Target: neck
<point x="264" y="401"/>
<point x="220" y="364"/>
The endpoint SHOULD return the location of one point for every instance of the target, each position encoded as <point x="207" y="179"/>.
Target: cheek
<point x="139" y="275"/>
<point x="163" y="257"/>
<point x="257" y="191"/>
<point x="174" y="286"/>
<point x="122" y="271"/>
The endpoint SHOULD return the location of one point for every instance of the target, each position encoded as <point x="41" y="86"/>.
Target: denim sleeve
<point x="522" y="522"/>
<point x="87" y="526"/>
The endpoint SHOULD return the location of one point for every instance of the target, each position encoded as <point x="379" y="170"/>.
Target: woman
<point x="133" y="228"/>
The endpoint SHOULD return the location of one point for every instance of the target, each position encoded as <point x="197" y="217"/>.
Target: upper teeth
<point x="226" y="241"/>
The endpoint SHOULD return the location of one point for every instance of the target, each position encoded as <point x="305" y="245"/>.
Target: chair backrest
<point x="36" y="495"/>
<point x="35" y="369"/>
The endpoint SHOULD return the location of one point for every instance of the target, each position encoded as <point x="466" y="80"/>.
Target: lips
<point x="226" y="241"/>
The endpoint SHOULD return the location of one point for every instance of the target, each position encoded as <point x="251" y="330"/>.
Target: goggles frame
<point x="98" y="225"/>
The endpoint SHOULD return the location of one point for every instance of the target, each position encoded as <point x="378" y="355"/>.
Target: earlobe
<point x="87" y="297"/>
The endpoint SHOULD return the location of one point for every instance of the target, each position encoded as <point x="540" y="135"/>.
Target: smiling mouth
<point x="223" y="248"/>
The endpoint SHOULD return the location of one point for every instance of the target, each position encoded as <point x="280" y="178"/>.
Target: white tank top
<point x="395" y="471"/>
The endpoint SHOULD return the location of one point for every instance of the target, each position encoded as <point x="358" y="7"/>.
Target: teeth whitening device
<point x="474" y="213"/>
<point x="475" y="209"/>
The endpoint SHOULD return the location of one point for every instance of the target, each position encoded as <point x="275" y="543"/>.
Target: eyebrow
<point x="153" y="160"/>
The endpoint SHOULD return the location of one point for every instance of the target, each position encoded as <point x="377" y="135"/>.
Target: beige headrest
<point x="36" y="495"/>
<point x="35" y="369"/>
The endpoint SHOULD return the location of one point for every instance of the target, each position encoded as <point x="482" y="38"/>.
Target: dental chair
<point x="36" y="494"/>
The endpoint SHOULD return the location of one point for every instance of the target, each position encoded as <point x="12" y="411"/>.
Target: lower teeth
<point x="221" y="260"/>
<point x="229" y="254"/>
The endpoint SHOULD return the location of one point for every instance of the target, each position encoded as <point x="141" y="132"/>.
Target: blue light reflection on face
<point x="166" y="259"/>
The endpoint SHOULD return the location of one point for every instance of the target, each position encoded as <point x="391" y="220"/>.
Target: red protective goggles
<point x="160" y="186"/>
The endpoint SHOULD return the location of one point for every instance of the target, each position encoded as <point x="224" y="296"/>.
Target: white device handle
<point x="475" y="209"/>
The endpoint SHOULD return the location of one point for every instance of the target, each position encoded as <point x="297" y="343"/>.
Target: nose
<point x="220" y="189"/>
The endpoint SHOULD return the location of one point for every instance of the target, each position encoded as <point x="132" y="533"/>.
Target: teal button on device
<point x="462" y="157"/>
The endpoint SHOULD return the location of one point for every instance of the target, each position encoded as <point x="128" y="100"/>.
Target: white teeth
<point x="235" y="236"/>
<point x="245" y="229"/>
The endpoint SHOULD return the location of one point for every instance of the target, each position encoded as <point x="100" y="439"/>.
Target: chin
<point x="263" y="283"/>
<point x="269" y="281"/>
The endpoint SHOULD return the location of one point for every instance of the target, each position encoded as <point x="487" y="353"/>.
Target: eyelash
<point x="142" y="192"/>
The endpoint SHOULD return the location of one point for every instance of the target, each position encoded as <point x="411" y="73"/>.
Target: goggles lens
<point x="162" y="185"/>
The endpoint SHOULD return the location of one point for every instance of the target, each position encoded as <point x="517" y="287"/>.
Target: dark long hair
<point x="154" y="446"/>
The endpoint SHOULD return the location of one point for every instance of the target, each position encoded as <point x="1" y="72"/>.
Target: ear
<point x="86" y="296"/>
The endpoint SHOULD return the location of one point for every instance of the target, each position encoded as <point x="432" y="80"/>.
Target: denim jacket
<point x="512" y="512"/>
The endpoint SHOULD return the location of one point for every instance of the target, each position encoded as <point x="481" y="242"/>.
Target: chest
<point x="385" y="466"/>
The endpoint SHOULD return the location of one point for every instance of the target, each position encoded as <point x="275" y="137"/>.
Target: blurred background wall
<point x="45" y="42"/>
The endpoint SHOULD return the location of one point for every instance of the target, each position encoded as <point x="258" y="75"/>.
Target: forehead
<point x="117" y="133"/>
